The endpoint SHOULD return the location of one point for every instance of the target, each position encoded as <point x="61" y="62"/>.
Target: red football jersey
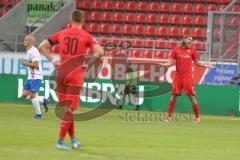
<point x="184" y="57"/>
<point x="72" y="42"/>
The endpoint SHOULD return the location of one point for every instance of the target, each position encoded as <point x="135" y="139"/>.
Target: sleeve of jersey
<point x="92" y="41"/>
<point x="54" y="39"/>
<point x="195" y="56"/>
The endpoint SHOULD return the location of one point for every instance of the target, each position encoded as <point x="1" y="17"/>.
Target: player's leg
<point x="34" y="88"/>
<point x="26" y="90"/>
<point x="195" y="108"/>
<point x="171" y="106"/>
<point x="43" y="101"/>
<point x="189" y="90"/>
<point x="36" y="105"/>
<point x="135" y="96"/>
<point x="65" y="125"/>
<point x="177" y="86"/>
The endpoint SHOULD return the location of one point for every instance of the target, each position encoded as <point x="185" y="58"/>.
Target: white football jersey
<point x="32" y="56"/>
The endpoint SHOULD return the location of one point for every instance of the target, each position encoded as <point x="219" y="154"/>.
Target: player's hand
<point x="210" y="66"/>
<point x="23" y="62"/>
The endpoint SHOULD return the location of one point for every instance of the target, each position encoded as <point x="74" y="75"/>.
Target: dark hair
<point x="76" y="16"/>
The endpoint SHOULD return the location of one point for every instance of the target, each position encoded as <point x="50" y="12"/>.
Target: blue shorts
<point x="32" y="85"/>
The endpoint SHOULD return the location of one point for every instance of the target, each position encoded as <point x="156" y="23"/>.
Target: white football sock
<point x="36" y="105"/>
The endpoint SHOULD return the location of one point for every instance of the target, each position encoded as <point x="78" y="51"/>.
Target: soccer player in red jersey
<point x="183" y="57"/>
<point x="73" y="42"/>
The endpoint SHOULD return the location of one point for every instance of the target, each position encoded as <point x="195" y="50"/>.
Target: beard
<point x="184" y="44"/>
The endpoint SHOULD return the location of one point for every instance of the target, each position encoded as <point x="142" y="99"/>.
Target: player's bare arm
<point x="45" y="49"/>
<point x="201" y="64"/>
<point x="98" y="53"/>
<point x="35" y="64"/>
<point x="167" y="64"/>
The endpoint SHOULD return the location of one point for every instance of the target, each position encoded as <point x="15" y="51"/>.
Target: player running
<point x="73" y="42"/>
<point x="184" y="56"/>
<point x="35" y="76"/>
<point x="130" y="87"/>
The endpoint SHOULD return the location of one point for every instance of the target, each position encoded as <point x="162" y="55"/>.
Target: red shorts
<point x="183" y="83"/>
<point x="69" y="86"/>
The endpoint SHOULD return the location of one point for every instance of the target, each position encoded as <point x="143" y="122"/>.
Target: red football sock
<point x="171" y="107"/>
<point x="71" y="131"/>
<point x="196" y="110"/>
<point x="65" y="125"/>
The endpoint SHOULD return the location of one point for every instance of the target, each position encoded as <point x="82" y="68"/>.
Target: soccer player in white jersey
<point x="35" y="76"/>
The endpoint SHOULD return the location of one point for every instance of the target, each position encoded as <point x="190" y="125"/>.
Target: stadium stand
<point x="165" y="20"/>
<point x="6" y="5"/>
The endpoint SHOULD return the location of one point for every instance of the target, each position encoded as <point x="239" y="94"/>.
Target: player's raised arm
<point x="167" y="64"/>
<point x="201" y="64"/>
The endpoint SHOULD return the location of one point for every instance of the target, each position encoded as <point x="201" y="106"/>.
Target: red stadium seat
<point x="131" y="6"/>
<point x="161" y="43"/>
<point x="147" y="54"/>
<point x="127" y="29"/>
<point x="217" y="20"/>
<point x="141" y="18"/>
<point x="163" y="19"/>
<point x="235" y="9"/>
<point x="93" y="28"/>
<point x="185" y="31"/>
<point x="142" y="6"/>
<point x="211" y="7"/>
<point x="107" y="16"/>
<point x="116" y="29"/>
<point x="137" y="43"/>
<point x="175" y="19"/>
<point x="199" y="8"/>
<point x="84" y="4"/>
<point x="162" y="31"/>
<point x="200" y="20"/>
<point x="86" y="15"/>
<point x="187" y="20"/>
<point x="177" y="8"/>
<point x="198" y="32"/>
<point x="108" y="5"/>
<point x="129" y="17"/>
<point x="204" y="33"/>
<point x="224" y="1"/>
<point x="104" y="28"/>
<point x="173" y="31"/>
<point x="188" y="8"/>
<point x="119" y="5"/>
<point x="136" y="54"/>
<point x="150" y="30"/>
<point x="95" y="16"/>
<point x="172" y="43"/>
<point x="222" y="7"/>
<point x="164" y="7"/>
<point x="216" y="34"/>
<point x="152" y="18"/>
<point x="96" y="4"/>
<point x="159" y="55"/>
<point x="139" y="30"/>
<point x="233" y="22"/>
<point x="118" y="17"/>
<point x="153" y="7"/>
<point x="103" y="41"/>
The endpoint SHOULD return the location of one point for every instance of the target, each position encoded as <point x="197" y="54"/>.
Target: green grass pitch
<point x="111" y="137"/>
